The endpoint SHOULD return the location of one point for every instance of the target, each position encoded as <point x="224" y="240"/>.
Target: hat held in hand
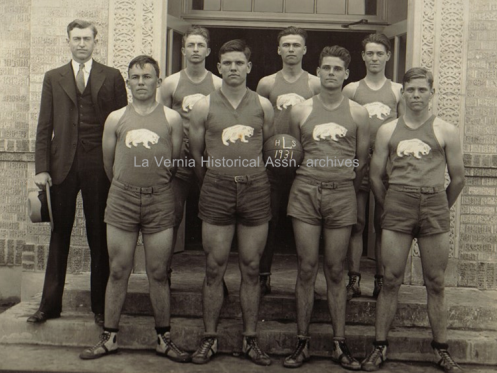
<point x="40" y="206"/>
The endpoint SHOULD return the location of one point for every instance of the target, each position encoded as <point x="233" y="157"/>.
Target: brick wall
<point x="33" y="42"/>
<point x="478" y="241"/>
<point x="14" y="127"/>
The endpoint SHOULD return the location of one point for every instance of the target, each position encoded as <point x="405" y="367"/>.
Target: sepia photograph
<point x="248" y="186"/>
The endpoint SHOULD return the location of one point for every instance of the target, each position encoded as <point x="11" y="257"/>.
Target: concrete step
<point x="277" y="338"/>
<point x="467" y="308"/>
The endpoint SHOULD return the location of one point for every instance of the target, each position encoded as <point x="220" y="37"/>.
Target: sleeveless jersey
<point x="381" y="105"/>
<point x="415" y="156"/>
<point x="284" y="93"/>
<point x="187" y="93"/>
<point x="329" y="141"/>
<point x="143" y="147"/>
<point x="234" y="137"/>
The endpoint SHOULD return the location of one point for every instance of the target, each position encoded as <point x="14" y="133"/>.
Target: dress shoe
<point x="99" y="319"/>
<point x="40" y="317"/>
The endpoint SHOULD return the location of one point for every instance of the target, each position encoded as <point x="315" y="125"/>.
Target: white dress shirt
<point x="87" y="69"/>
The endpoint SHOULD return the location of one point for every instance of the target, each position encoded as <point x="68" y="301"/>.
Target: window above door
<point x="331" y="12"/>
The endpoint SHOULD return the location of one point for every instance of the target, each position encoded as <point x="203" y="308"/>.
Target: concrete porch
<point x="472" y="315"/>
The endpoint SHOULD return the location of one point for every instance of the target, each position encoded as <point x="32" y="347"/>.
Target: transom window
<point x="339" y="7"/>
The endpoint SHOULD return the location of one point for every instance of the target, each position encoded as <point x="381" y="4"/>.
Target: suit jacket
<point x="57" y="132"/>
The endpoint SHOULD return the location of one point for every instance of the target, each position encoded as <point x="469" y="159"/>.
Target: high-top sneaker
<point x="300" y="355"/>
<point x="253" y="352"/>
<point x="342" y="356"/>
<point x="378" y="285"/>
<point x="354" y="286"/>
<point x="107" y="345"/>
<point x="167" y="348"/>
<point x="376" y="357"/>
<point x="206" y="350"/>
<point x="445" y="361"/>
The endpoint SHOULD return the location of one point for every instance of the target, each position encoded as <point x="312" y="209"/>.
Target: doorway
<point x="266" y="61"/>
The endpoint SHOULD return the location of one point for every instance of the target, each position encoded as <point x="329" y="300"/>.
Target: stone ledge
<point x="137" y="332"/>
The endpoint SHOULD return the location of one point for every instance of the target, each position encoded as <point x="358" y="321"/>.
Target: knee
<point x="335" y="272"/>
<point x="119" y="271"/>
<point x="392" y="279"/>
<point x="250" y="270"/>
<point x="435" y="284"/>
<point x="307" y="271"/>
<point x="157" y="273"/>
<point x="213" y="272"/>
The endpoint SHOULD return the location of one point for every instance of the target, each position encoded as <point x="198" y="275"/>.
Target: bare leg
<point x="307" y="243"/>
<point x="251" y="242"/>
<point x="356" y="242"/>
<point x="121" y="246"/>
<point x="378" y="210"/>
<point x="158" y="252"/>
<point x="336" y="242"/>
<point x="216" y="240"/>
<point x="395" y="248"/>
<point x="181" y="190"/>
<point x="434" y="251"/>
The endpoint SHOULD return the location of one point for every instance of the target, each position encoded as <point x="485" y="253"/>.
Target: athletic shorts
<point x="227" y="200"/>
<point x="132" y="208"/>
<point x="313" y="201"/>
<point x="416" y="211"/>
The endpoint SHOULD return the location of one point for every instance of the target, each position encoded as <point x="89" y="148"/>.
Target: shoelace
<point x="300" y="347"/>
<point x="171" y="344"/>
<point x="353" y="280"/>
<point x="345" y="350"/>
<point x="447" y="359"/>
<point x="104" y="338"/>
<point x="206" y="345"/>
<point x="376" y="354"/>
<point x="255" y="347"/>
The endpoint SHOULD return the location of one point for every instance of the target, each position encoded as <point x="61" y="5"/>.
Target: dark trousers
<point x="280" y="191"/>
<point x="86" y="174"/>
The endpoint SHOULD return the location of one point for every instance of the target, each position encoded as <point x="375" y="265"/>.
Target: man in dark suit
<point x="75" y="102"/>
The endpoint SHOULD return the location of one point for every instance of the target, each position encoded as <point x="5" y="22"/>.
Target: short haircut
<point x="79" y="23"/>
<point x="196" y="30"/>
<point x="237" y="45"/>
<point x="378" y="39"/>
<point x="418" y="73"/>
<point x="142" y="60"/>
<point x="336" y="51"/>
<point x="292" y="30"/>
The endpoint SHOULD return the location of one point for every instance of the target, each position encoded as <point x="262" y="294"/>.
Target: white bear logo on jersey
<point x="189" y="101"/>
<point x="333" y="130"/>
<point x="379" y="109"/>
<point x="141" y="136"/>
<point x="287" y="100"/>
<point x="415" y="147"/>
<point x="237" y="132"/>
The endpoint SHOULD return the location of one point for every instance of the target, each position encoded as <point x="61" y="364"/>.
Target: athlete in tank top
<point x="286" y="88"/>
<point x="134" y="139"/>
<point x="329" y="139"/>
<point x="234" y="135"/>
<point x="144" y="148"/>
<point x="415" y="156"/>
<point x="334" y="133"/>
<point x="231" y="123"/>
<point x="382" y="98"/>
<point x="416" y="150"/>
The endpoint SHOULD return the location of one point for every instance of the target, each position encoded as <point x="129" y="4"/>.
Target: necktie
<point x="80" y="78"/>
